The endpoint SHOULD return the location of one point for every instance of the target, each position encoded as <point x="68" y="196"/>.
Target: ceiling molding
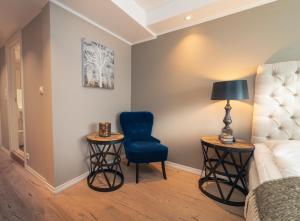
<point x="220" y="15"/>
<point x="67" y="8"/>
<point x="144" y="40"/>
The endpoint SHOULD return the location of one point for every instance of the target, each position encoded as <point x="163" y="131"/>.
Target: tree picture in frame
<point x="97" y="65"/>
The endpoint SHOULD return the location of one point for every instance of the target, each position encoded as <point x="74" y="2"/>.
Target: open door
<point x="16" y="107"/>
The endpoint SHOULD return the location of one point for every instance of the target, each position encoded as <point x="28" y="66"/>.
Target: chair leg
<point x="137" y="172"/>
<point x="128" y="163"/>
<point x="163" y="169"/>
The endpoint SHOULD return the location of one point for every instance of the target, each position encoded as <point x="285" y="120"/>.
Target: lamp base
<point x="227" y="134"/>
<point x="226" y="138"/>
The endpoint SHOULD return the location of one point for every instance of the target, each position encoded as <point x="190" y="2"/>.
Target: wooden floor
<point x="24" y="197"/>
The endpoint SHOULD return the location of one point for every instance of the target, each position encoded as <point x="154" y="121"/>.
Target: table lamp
<point x="229" y="90"/>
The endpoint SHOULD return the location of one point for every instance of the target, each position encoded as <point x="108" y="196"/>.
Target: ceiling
<point x="132" y="21"/>
<point x="148" y="5"/>
<point x="14" y="14"/>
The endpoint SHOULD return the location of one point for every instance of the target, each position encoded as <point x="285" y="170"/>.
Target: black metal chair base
<point x="113" y="187"/>
<point x="163" y="167"/>
<point x="204" y="180"/>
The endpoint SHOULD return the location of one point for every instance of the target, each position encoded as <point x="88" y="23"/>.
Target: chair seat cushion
<point x="146" y="152"/>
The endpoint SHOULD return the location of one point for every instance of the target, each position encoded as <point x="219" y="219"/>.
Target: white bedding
<point x="263" y="167"/>
<point x="272" y="160"/>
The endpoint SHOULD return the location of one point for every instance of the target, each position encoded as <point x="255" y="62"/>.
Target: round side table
<point x="105" y="159"/>
<point x="225" y="164"/>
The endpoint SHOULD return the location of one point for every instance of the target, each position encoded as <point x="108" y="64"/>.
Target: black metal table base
<point x="109" y="170"/>
<point x="221" y="200"/>
<point x="110" y="187"/>
<point x="217" y="172"/>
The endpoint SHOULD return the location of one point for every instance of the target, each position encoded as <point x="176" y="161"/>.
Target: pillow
<point x="287" y="157"/>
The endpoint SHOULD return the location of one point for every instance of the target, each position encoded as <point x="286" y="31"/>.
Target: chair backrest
<point x="136" y="125"/>
<point x="277" y="102"/>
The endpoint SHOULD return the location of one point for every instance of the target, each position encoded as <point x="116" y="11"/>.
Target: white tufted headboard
<point x="277" y="102"/>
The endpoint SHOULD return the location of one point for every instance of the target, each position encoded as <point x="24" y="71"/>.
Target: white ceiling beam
<point x="131" y="8"/>
<point x="173" y="8"/>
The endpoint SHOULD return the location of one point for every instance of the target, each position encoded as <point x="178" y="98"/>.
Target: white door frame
<point x="12" y="105"/>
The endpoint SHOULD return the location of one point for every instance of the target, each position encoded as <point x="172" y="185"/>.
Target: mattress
<point x="272" y="160"/>
<point x="263" y="166"/>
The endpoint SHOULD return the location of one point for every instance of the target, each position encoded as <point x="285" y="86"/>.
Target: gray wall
<point x="36" y="52"/>
<point x="76" y="110"/>
<point x="172" y="76"/>
<point x="3" y="101"/>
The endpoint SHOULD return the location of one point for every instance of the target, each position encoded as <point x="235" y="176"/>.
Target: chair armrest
<point x="153" y="139"/>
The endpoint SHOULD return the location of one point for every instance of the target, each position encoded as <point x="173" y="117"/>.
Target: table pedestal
<point x="218" y="160"/>
<point x="105" y="168"/>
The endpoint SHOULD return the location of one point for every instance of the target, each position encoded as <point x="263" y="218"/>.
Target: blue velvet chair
<point x="140" y="146"/>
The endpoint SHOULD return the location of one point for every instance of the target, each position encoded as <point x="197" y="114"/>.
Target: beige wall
<point x="76" y="110"/>
<point x="3" y="101"/>
<point x="172" y="76"/>
<point x="36" y="52"/>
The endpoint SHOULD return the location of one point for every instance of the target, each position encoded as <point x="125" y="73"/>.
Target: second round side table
<point x="105" y="159"/>
<point x="225" y="164"/>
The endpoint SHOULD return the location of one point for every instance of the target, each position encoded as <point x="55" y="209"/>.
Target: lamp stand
<point x="227" y="131"/>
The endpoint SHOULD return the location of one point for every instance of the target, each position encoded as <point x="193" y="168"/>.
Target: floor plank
<point x="24" y="197"/>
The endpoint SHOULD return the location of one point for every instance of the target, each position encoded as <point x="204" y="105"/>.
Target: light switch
<point x="41" y="89"/>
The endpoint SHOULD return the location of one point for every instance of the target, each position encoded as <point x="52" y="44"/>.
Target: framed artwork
<point x="97" y="65"/>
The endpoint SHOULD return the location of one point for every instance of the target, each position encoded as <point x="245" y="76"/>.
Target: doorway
<point x="15" y="101"/>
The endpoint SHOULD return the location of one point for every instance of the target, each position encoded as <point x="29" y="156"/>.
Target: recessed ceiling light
<point x="188" y="17"/>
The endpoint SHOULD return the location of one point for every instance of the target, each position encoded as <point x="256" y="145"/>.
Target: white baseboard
<point x="189" y="169"/>
<point x="5" y="150"/>
<point x="40" y="177"/>
<point x="84" y="175"/>
<point x="71" y="182"/>
<point x="184" y="168"/>
<point x="76" y="180"/>
<point x="61" y="187"/>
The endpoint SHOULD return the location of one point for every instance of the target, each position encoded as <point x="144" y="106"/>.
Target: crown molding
<point x="74" y="12"/>
<point x="144" y="40"/>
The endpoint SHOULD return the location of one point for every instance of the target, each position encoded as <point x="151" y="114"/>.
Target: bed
<point x="276" y="135"/>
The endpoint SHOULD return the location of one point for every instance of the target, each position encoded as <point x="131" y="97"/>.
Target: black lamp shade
<point x="230" y="90"/>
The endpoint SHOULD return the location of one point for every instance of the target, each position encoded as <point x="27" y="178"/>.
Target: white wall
<point x="36" y="52"/>
<point x="172" y="75"/>
<point x="76" y="110"/>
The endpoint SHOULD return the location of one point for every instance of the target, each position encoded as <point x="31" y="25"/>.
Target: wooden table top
<point x="238" y="144"/>
<point x="114" y="137"/>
